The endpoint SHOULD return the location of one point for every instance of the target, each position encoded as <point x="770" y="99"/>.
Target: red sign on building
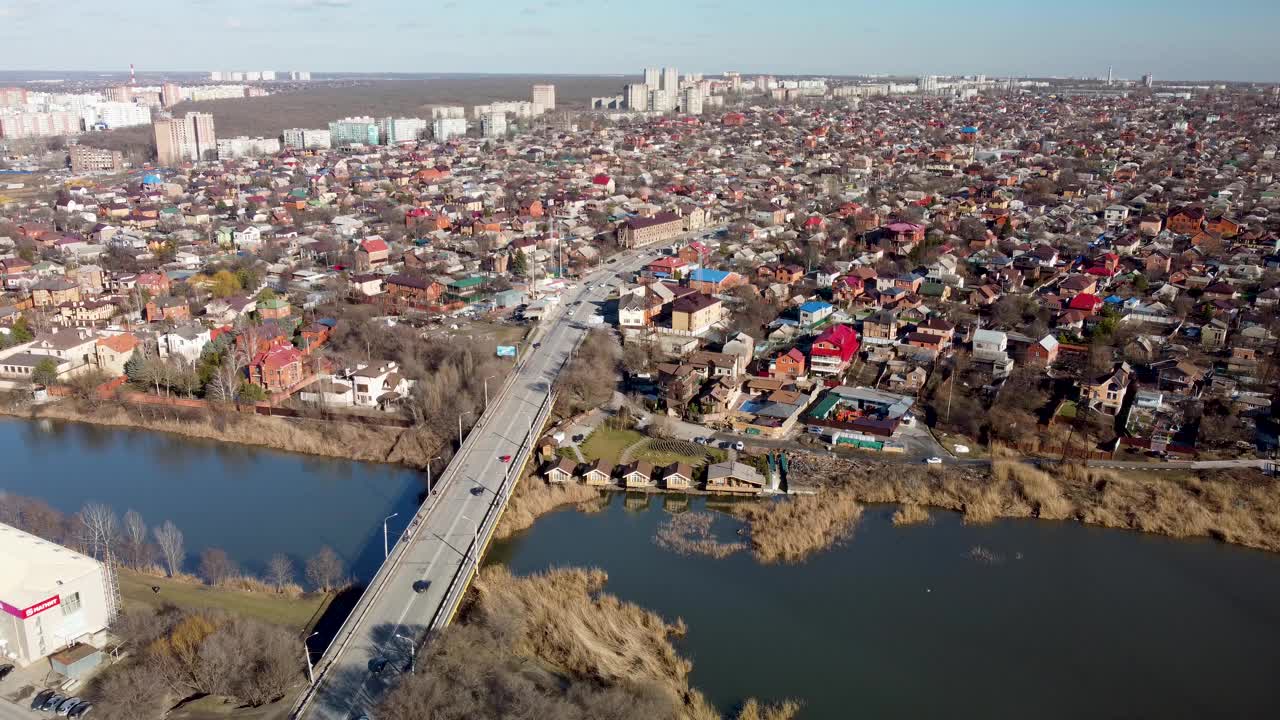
<point x="24" y="613"/>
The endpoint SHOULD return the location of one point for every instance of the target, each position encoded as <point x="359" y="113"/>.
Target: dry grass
<point x="791" y="529"/>
<point x="554" y="645"/>
<point x="690" y="534"/>
<point x="535" y="497"/>
<point x="412" y="447"/>
<point x="911" y="514"/>
<point x="1238" y="506"/>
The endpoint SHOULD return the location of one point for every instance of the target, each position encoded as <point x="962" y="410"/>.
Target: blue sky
<point x="1185" y="39"/>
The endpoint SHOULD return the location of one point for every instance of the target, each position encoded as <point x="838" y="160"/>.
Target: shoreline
<point x="340" y="441"/>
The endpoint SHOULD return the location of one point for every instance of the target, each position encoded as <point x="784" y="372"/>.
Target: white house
<point x="184" y="342"/>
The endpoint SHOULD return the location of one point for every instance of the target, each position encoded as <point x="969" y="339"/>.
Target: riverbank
<point x="1240" y="506"/>
<point x="412" y="447"/>
<point x="296" y="613"/>
<point x="557" y="646"/>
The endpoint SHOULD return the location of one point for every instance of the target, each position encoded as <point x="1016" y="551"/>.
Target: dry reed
<point x="791" y="529"/>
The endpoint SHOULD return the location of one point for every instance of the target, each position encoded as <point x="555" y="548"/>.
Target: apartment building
<point x="191" y="137"/>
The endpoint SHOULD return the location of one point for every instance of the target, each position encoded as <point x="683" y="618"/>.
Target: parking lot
<point x="21" y="686"/>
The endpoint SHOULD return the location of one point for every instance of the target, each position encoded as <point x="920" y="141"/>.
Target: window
<point x="71" y="604"/>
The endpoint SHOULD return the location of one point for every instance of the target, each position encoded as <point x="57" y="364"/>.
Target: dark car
<point x="5" y="670"/>
<point x="420" y="586"/>
<point x="68" y="705"/>
<point x="53" y="702"/>
<point x="477" y="490"/>
<point x="81" y="710"/>
<point x="40" y="699"/>
<point x="377" y="665"/>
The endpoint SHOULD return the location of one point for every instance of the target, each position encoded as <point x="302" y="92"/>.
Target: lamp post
<point x="486" y="390"/>
<point x="475" y="537"/>
<point x="411" y="652"/>
<point x="306" y="649"/>
<point x="429" y="472"/>
<point x="386" y="547"/>
<point x="460" y="416"/>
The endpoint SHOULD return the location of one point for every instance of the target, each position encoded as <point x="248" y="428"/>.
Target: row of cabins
<point x="727" y="477"/>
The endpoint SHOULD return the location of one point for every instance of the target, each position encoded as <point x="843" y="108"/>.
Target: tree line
<point x="161" y="550"/>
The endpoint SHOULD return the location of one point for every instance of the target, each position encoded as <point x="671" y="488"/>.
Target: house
<point x="881" y="328"/>
<point x="372" y="254"/>
<point x="114" y="351"/>
<point x="668" y="267"/>
<point x="597" y="475"/>
<point x="788" y="366"/>
<point x="638" y="474"/>
<point x="643" y="231"/>
<point x="167" y="308"/>
<point x="734" y="477"/>
<point x="678" y="383"/>
<point x="677" y="476"/>
<point x="1106" y="392"/>
<point x="1074" y="285"/>
<point x="378" y="385"/>
<point x="938" y="326"/>
<point x="695" y="314"/>
<point x="561" y="472"/>
<point x="54" y="291"/>
<point x="414" y="291"/>
<point x="275" y="308"/>
<point x="1185" y="221"/>
<point x="1043" y="352"/>
<point x="713" y="282"/>
<point x="185" y="342"/>
<point x="833" y="350"/>
<point x="1214" y="333"/>
<point x="815" y="312"/>
<point x="278" y="368"/>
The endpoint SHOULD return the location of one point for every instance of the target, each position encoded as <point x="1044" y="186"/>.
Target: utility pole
<point x="306" y="650"/>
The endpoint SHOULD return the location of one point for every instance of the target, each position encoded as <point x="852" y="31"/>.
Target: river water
<point x="248" y="501"/>
<point x="1045" y="620"/>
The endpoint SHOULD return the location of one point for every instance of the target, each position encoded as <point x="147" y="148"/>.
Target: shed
<point x="76" y="661"/>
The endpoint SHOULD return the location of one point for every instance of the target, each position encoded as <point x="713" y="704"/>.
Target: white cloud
<point x="306" y="4"/>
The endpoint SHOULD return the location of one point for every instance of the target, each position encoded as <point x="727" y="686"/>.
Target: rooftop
<point x="31" y="569"/>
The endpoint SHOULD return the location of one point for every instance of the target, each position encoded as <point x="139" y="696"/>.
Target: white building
<point x="637" y="96"/>
<point x="662" y="101"/>
<point x="186" y="342"/>
<point x="652" y="77"/>
<point x="494" y="124"/>
<point x="670" y="80"/>
<point x="691" y="101"/>
<point x="401" y="130"/>
<point x="446" y="128"/>
<point x="117" y="115"/>
<point x="229" y="148"/>
<point x="448" y="111"/>
<point x="307" y="139"/>
<point x="544" y="95"/>
<point x="50" y="597"/>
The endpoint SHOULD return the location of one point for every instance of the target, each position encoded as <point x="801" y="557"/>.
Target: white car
<point x="739" y="446"/>
<point x="935" y="460"/>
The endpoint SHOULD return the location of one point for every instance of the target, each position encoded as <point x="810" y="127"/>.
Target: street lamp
<point x="486" y="390"/>
<point x="386" y="548"/>
<point x="411" y="652"/>
<point x="438" y="457"/>
<point x="306" y="649"/>
<point x="460" y="416"/>
<point x="475" y="537"/>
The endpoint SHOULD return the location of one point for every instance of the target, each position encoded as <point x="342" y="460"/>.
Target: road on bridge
<point x="395" y="617"/>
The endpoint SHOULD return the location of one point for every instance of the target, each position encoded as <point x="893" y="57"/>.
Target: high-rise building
<point x="401" y="130"/>
<point x="231" y="148"/>
<point x="545" y="95"/>
<point x="928" y="84"/>
<point x="13" y="97"/>
<point x="269" y="75"/>
<point x="170" y="94"/>
<point x="216" y="76"/>
<point x="670" y="81"/>
<point x="117" y="115"/>
<point x="187" y="138"/>
<point x="120" y="93"/>
<point x="448" y="111"/>
<point x="446" y="128"/>
<point x="305" y="139"/>
<point x="354" y="131"/>
<point x="90" y="159"/>
<point x="494" y="124"/>
<point x="652" y="77"/>
<point x="1148" y="80"/>
<point x="637" y="97"/>
<point x="662" y="100"/>
<point x="38" y="124"/>
<point x="1109" y="75"/>
<point x="691" y="100"/>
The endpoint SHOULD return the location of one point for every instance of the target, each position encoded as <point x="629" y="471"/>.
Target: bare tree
<point x="99" y="527"/>
<point x="280" y="570"/>
<point x="135" y="538"/>
<point x="324" y="569"/>
<point x="216" y="566"/>
<point x="169" y="537"/>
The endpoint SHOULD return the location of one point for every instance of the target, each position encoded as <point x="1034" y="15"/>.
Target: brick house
<point x="277" y="368"/>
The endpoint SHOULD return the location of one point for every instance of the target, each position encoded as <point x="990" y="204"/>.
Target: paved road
<point x="398" y="617"/>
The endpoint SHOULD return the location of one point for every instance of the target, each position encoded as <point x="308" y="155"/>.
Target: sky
<point x="1173" y="39"/>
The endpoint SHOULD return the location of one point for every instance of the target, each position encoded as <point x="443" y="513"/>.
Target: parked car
<point x="739" y="446"/>
<point x="935" y="460"/>
<point x="42" y="697"/>
<point x="53" y="702"/>
<point x="5" y="670"/>
<point x="377" y="665"/>
<point x="81" y="710"/>
<point x="68" y="705"/>
<point x="700" y="440"/>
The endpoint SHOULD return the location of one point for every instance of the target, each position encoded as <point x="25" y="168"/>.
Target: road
<point x="397" y="617"/>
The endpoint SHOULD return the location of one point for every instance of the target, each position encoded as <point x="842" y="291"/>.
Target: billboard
<point x="507" y="351"/>
<point x="24" y="613"/>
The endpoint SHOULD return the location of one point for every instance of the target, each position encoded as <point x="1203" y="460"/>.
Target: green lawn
<point x="606" y="444"/>
<point x="292" y="613"/>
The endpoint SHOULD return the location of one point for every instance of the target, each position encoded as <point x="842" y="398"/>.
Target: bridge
<point x="419" y="587"/>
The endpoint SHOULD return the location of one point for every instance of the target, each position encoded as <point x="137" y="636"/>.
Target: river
<point x="249" y="501"/>
<point x="1048" y="620"/>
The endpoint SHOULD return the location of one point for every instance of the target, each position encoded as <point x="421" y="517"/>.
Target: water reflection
<point x="252" y="502"/>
